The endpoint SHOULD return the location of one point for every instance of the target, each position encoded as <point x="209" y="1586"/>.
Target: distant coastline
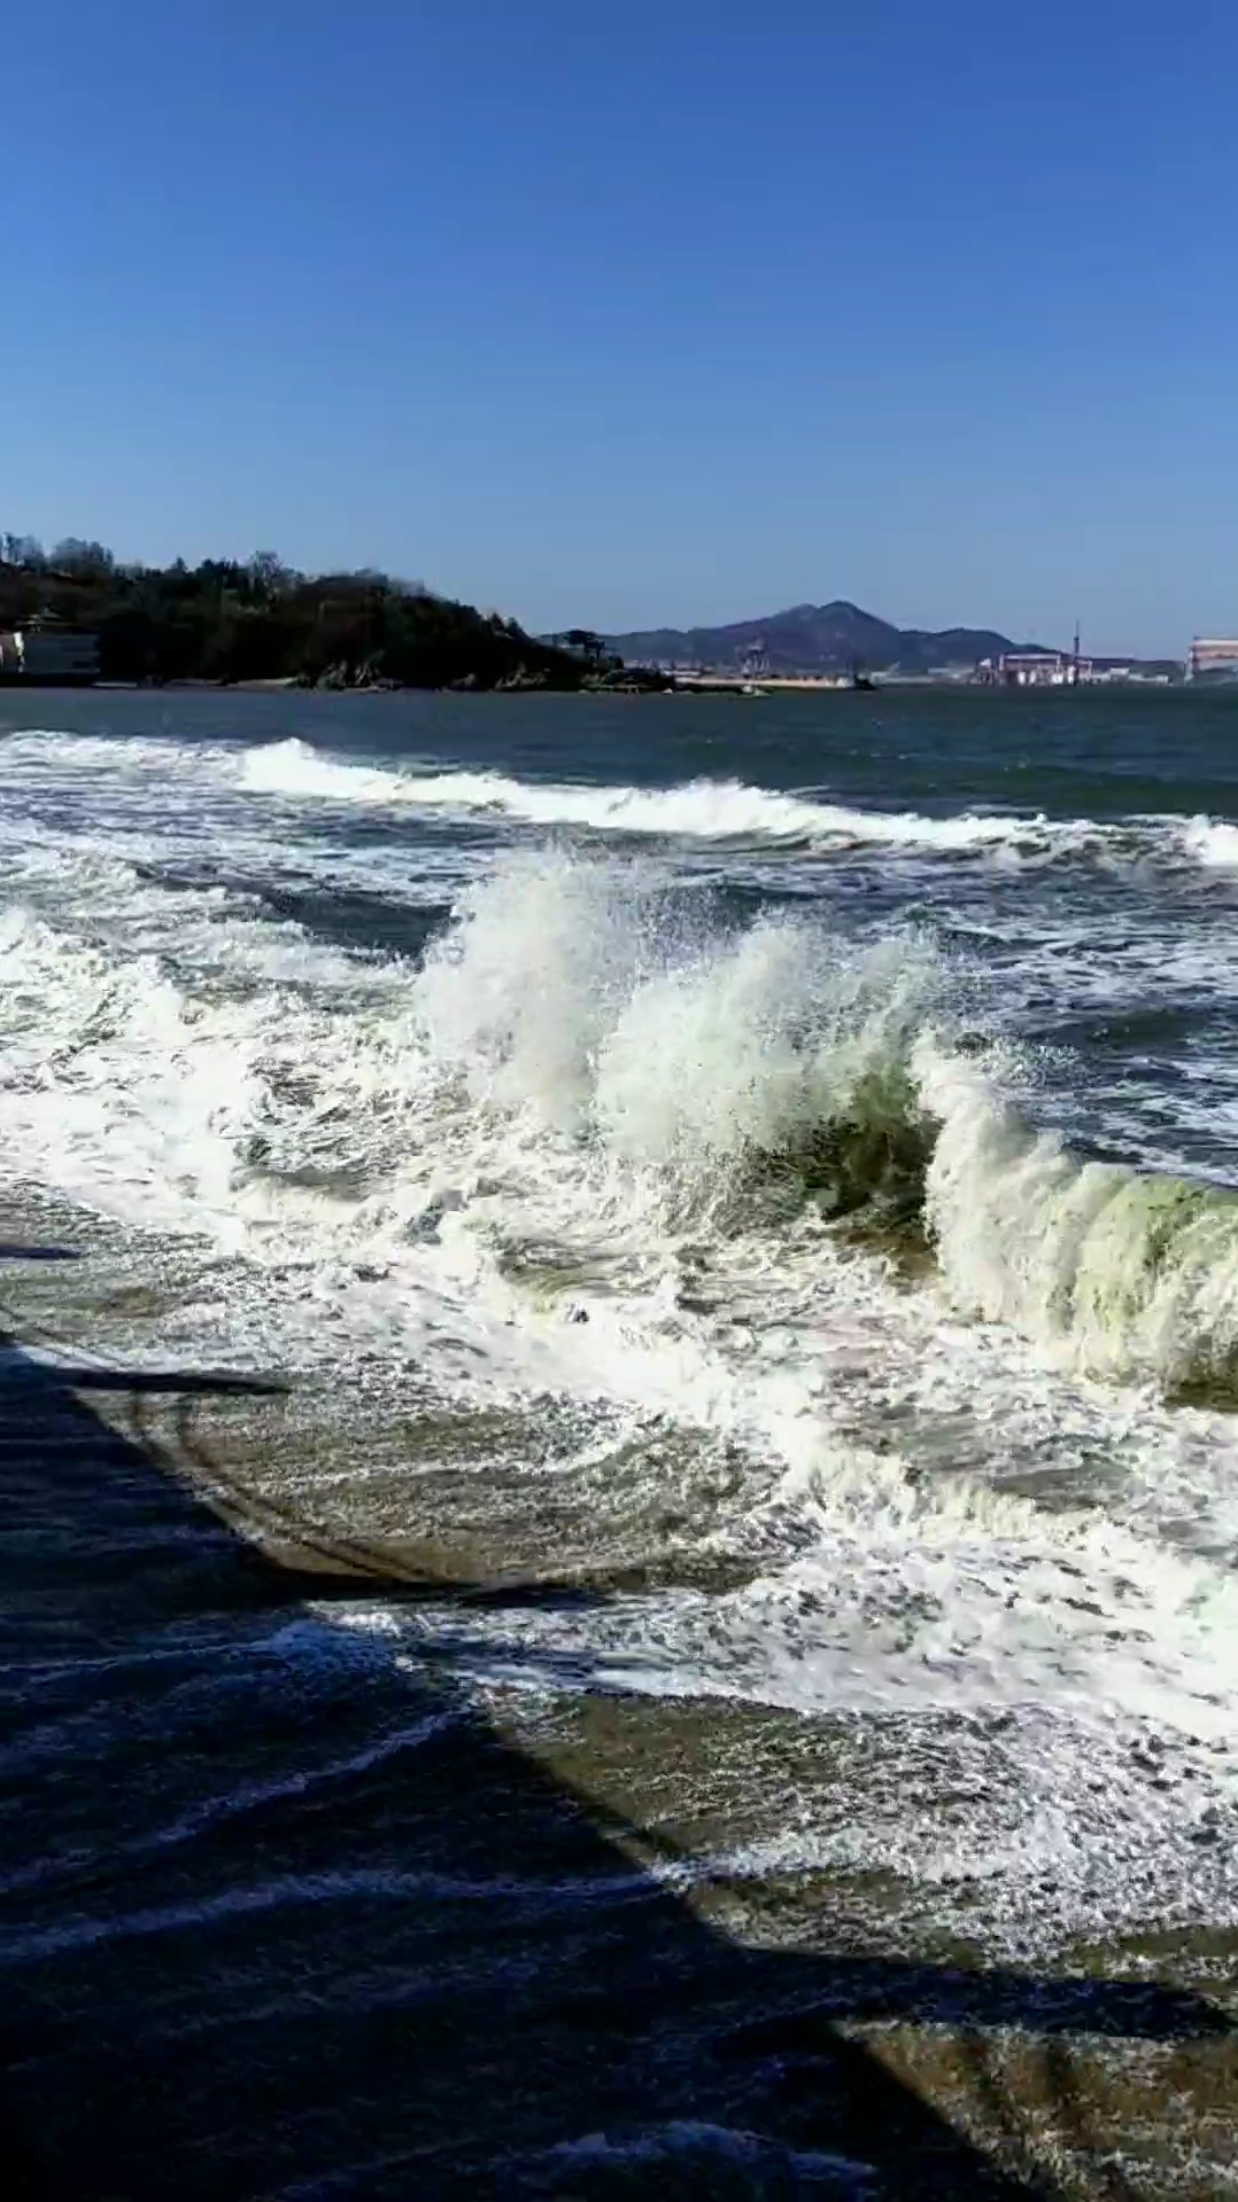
<point x="259" y="622"/>
<point x="823" y="644"/>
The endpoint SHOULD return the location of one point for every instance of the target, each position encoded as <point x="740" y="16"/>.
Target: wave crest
<point x="746" y="1074"/>
<point x="1132" y="1273"/>
<point x="773" y="1063"/>
<point x="711" y="810"/>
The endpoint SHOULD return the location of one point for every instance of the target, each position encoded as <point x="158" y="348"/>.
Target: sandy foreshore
<point x="290" y="1905"/>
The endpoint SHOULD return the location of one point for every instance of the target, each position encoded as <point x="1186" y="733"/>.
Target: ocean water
<point x="771" y="1162"/>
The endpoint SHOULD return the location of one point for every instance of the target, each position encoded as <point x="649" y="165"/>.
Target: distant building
<point x="1213" y="656"/>
<point x="47" y="652"/>
<point x="1034" y="669"/>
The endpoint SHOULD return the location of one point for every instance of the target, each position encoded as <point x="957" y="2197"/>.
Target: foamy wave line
<point x="720" y="810"/>
<point x="293" y="770"/>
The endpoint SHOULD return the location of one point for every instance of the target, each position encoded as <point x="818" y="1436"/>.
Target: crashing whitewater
<point x="584" y="1057"/>
<point x="604" y="1143"/>
<point x="731" y="1081"/>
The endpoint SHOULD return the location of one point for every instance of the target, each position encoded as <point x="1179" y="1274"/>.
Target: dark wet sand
<point x="280" y="1915"/>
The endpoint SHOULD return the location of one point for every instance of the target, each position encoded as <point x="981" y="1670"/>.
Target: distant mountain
<point x="814" y="638"/>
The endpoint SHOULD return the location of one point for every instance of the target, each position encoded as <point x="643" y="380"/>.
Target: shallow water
<point x="763" y="1167"/>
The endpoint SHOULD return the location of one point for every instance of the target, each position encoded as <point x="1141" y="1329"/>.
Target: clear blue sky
<point x="656" y="312"/>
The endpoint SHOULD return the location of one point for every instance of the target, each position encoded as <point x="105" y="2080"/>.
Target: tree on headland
<point x="23" y="550"/>
<point x="267" y="574"/>
<point x="581" y="639"/>
<point x="260" y="619"/>
<point x="583" y="643"/>
<point x="80" y="560"/>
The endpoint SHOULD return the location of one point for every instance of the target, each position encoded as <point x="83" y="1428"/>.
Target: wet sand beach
<point x="283" y="1911"/>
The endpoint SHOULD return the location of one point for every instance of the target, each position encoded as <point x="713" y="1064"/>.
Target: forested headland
<point x="261" y="620"/>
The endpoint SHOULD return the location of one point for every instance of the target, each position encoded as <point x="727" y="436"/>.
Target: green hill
<point x="260" y="620"/>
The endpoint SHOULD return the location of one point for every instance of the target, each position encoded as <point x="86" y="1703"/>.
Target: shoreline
<point x="575" y="1836"/>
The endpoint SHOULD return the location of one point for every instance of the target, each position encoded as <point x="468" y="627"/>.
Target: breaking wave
<point x="784" y="1065"/>
<point x="1134" y="1272"/>
<point x="777" y="1057"/>
<point x="596" y="1047"/>
<point x="719" y="813"/>
<point x="709" y="809"/>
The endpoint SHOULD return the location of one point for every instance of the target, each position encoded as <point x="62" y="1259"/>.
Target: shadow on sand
<point x="36" y="1253"/>
<point x="281" y="1917"/>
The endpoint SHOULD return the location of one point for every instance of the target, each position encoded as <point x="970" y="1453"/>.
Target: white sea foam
<point x="155" y="770"/>
<point x="708" y="809"/>
<point x="585" y="1079"/>
<point x="577" y="989"/>
<point x="224" y="1068"/>
<point x="1213" y="843"/>
<point x="787" y="1047"/>
<point x="724" y="811"/>
<point x="1130" y="1272"/>
<point x="38" y="751"/>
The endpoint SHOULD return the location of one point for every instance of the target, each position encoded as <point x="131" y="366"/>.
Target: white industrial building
<point x="45" y="651"/>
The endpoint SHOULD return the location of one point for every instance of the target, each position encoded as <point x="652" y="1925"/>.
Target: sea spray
<point x="770" y="1068"/>
<point x="606" y="1053"/>
<point x="723" y="1063"/>
<point x="738" y="1074"/>
<point x="1212" y="842"/>
<point x="515" y="998"/>
<point x="1129" y="1273"/>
